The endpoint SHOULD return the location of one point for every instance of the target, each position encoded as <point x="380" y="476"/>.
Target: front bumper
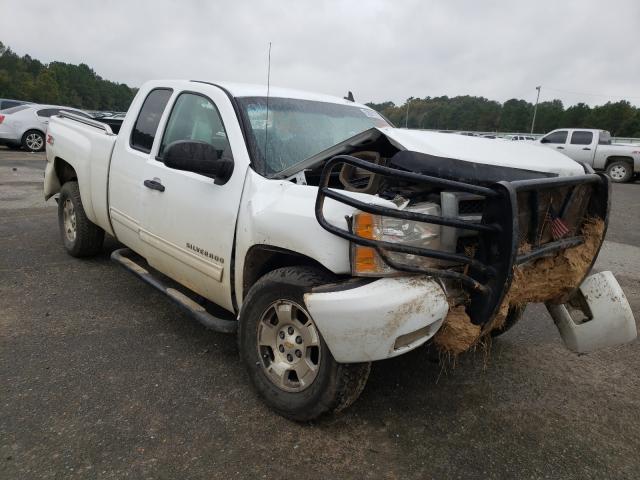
<point x="382" y="319"/>
<point x="607" y="319"/>
<point x="515" y="214"/>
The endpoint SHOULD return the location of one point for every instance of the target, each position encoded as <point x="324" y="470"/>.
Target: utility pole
<point x="406" y="118"/>
<point x="535" y="109"/>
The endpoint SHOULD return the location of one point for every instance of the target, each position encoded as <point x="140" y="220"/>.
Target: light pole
<point x="406" y="118"/>
<point x="535" y="109"/>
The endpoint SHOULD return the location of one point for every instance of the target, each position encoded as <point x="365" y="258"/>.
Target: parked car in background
<point x="521" y="138"/>
<point x="26" y="125"/>
<point x="9" y="103"/>
<point x="594" y="148"/>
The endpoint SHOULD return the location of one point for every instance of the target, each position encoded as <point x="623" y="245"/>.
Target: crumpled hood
<point x="496" y="152"/>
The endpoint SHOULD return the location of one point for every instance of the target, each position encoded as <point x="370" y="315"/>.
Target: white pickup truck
<point x="594" y="148"/>
<point x="326" y="238"/>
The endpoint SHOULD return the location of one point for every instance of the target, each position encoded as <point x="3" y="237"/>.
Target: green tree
<point x="78" y="86"/>
<point x="516" y="116"/>
<point x="549" y="116"/>
<point x="577" y="116"/>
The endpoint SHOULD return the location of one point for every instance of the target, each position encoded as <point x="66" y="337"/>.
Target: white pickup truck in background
<point x="326" y="238"/>
<point x="594" y="148"/>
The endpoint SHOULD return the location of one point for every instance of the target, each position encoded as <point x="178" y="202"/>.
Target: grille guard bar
<point x="487" y="276"/>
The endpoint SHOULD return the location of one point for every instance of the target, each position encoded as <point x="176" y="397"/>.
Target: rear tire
<point x="273" y="358"/>
<point x="620" y="171"/>
<point x="81" y="237"/>
<point x="33" y="141"/>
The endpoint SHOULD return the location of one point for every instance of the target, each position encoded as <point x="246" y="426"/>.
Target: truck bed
<point x="88" y="144"/>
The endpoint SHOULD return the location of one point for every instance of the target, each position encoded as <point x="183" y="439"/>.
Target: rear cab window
<point x="605" y="138"/>
<point x="146" y="126"/>
<point x="581" y="138"/>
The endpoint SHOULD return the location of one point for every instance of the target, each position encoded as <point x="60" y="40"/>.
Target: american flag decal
<point x="558" y="228"/>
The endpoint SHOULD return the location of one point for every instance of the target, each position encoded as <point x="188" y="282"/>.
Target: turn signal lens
<point x="1" y="118"/>
<point x="363" y="225"/>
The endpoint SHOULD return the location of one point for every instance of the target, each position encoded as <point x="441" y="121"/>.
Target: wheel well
<point x="64" y="171"/>
<point x="611" y="160"/>
<point x="262" y="259"/>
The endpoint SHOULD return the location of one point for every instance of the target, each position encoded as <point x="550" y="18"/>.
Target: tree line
<point x="57" y="83"/>
<point x="480" y="114"/>
<point x="25" y="78"/>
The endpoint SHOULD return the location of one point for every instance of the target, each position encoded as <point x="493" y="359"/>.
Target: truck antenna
<point x="266" y="123"/>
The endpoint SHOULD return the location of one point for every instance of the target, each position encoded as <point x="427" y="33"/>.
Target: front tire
<point x="286" y="357"/>
<point x="620" y="171"/>
<point x="33" y="141"/>
<point x="81" y="237"/>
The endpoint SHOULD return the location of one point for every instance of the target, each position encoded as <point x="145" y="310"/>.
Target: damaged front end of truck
<point x="496" y="237"/>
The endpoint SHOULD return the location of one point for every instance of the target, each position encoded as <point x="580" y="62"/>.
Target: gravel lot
<point x="102" y="377"/>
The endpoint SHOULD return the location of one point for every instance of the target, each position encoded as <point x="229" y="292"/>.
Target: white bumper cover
<point x="610" y="319"/>
<point x="382" y="319"/>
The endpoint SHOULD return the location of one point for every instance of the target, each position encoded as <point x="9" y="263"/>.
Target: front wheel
<point x="33" y="141"/>
<point x="286" y="357"/>
<point x="620" y="171"/>
<point x="80" y="236"/>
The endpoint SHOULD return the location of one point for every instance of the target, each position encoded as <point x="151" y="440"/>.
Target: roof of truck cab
<point x="256" y="90"/>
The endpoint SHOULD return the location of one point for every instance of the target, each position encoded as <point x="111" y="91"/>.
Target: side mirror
<point x="199" y="157"/>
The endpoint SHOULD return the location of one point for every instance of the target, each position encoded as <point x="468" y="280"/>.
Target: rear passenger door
<point x="581" y="146"/>
<point x="188" y="221"/>
<point x="128" y="161"/>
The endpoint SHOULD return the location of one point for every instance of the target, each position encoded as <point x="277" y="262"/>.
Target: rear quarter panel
<point x="88" y="151"/>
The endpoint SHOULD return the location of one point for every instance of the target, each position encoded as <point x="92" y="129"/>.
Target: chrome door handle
<point x="154" y="185"/>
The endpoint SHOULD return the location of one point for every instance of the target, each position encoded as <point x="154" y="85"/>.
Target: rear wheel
<point x="287" y="359"/>
<point x="33" y="141"/>
<point x="620" y="171"/>
<point x="81" y="237"/>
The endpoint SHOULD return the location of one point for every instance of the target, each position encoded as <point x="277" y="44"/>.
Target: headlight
<point x="365" y="261"/>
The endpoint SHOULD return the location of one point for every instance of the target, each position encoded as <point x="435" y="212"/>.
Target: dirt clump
<point x="457" y="334"/>
<point x="545" y="279"/>
<point x="551" y="278"/>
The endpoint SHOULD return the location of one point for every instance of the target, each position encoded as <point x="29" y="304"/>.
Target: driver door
<point x="188" y="221"/>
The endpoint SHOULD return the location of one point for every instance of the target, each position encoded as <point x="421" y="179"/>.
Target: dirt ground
<point x="102" y="377"/>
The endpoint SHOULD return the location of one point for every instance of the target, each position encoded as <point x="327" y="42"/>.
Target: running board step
<point x="194" y="309"/>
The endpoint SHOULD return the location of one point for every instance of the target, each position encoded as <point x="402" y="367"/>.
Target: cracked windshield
<point x="299" y="129"/>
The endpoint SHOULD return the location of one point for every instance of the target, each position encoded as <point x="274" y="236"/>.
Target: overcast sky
<point x="381" y="50"/>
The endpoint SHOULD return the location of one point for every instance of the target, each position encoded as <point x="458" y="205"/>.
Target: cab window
<point x="144" y="131"/>
<point x="581" y="138"/>
<point x="555" y="137"/>
<point x="195" y="117"/>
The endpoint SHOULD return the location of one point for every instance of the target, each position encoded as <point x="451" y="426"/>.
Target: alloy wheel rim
<point x="618" y="172"/>
<point x="288" y="346"/>
<point x="69" y="220"/>
<point x="34" y="141"/>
